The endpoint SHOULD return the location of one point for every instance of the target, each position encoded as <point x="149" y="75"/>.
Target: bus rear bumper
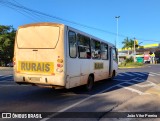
<point x="39" y="80"/>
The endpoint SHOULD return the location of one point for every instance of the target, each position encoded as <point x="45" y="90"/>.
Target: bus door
<point x="110" y="61"/>
<point x="73" y="63"/>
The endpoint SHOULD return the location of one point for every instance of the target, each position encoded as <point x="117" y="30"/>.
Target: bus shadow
<point x="128" y="79"/>
<point x="120" y="81"/>
<point x="102" y="86"/>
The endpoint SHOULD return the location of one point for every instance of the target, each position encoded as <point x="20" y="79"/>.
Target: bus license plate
<point x="35" y="78"/>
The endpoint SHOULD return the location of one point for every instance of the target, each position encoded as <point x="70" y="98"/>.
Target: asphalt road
<point x="132" y="93"/>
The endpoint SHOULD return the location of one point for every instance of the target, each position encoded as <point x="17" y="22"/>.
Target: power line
<point x="55" y="17"/>
<point x="21" y="11"/>
<point x="58" y="18"/>
<point x="17" y="6"/>
<point x="30" y="13"/>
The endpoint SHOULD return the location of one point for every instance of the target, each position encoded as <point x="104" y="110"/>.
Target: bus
<point x="59" y="56"/>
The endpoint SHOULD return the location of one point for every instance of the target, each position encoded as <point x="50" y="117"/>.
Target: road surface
<point x="132" y="95"/>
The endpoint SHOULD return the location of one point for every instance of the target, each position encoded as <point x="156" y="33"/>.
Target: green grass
<point x="131" y="64"/>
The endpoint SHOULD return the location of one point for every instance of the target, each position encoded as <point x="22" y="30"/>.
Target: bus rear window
<point x="39" y="37"/>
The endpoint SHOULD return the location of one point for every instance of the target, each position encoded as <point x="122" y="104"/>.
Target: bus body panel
<point x="73" y="72"/>
<point x="78" y="70"/>
<point x="38" y="63"/>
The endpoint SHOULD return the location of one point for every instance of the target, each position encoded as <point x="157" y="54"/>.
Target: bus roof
<point x="41" y="24"/>
<point x="60" y="24"/>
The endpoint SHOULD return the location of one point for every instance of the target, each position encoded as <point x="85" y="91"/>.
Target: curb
<point x="145" y="65"/>
<point x="130" y="67"/>
<point x="6" y="68"/>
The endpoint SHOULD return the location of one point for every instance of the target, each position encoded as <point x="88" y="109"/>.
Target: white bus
<point x="58" y="56"/>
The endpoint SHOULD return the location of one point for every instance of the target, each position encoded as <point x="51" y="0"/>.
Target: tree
<point x="129" y="43"/>
<point x="126" y="44"/>
<point x="7" y="37"/>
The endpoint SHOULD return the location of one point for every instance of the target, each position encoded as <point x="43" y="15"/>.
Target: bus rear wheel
<point x="90" y="83"/>
<point x="113" y="75"/>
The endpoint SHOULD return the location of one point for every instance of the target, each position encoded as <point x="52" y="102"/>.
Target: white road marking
<point x="129" y="74"/>
<point x="89" y="97"/>
<point x="154" y="73"/>
<point x="12" y="85"/>
<point x="146" y="73"/>
<point x="79" y="102"/>
<point x="120" y="74"/>
<point x="151" y="75"/>
<point x="6" y="76"/>
<point x="139" y="74"/>
<point x="6" y="81"/>
<point x="133" y="90"/>
<point x="134" y="79"/>
<point x="151" y="84"/>
<point x="137" y="79"/>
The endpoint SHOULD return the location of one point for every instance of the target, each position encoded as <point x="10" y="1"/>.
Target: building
<point x="148" y="53"/>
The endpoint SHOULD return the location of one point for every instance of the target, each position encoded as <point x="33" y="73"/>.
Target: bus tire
<point x="90" y="83"/>
<point x="113" y="75"/>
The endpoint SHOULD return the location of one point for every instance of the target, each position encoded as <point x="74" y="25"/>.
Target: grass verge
<point x="130" y="65"/>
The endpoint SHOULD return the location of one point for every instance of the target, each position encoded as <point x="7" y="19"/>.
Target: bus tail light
<point x="14" y="61"/>
<point x="59" y="64"/>
<point x="59" y="70"/>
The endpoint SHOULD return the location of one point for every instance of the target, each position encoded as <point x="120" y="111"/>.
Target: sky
<point x="139" y="19"/>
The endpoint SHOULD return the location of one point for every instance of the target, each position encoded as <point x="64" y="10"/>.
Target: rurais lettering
<point x="47" y="69"/>
<point x="40" y="67"/>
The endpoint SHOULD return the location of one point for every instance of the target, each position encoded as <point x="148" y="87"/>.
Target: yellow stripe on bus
<point x="35" y="67"/>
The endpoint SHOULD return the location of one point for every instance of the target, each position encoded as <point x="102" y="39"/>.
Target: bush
<point x="130" y="60"/>
<point x="135" y="64"/>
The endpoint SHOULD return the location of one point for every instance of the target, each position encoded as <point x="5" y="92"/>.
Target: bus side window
<point x="72" y="44"/>
<point x="104" y="51"/>
<point x="84" y="47"/>
<point x="114" y="52"/>
<point x="95" y="49"/>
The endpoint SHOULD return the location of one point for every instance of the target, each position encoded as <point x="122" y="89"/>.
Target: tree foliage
<point x="129" y="43"/>
<point x="126" y="44"/>
<point x="7" y="37"/>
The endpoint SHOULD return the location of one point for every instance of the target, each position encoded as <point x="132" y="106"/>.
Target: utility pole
<point x="117" y="17"/>
<point x="134" y="49"/>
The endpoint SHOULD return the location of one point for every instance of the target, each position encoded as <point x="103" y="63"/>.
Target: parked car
<point x="10" y="64"/>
